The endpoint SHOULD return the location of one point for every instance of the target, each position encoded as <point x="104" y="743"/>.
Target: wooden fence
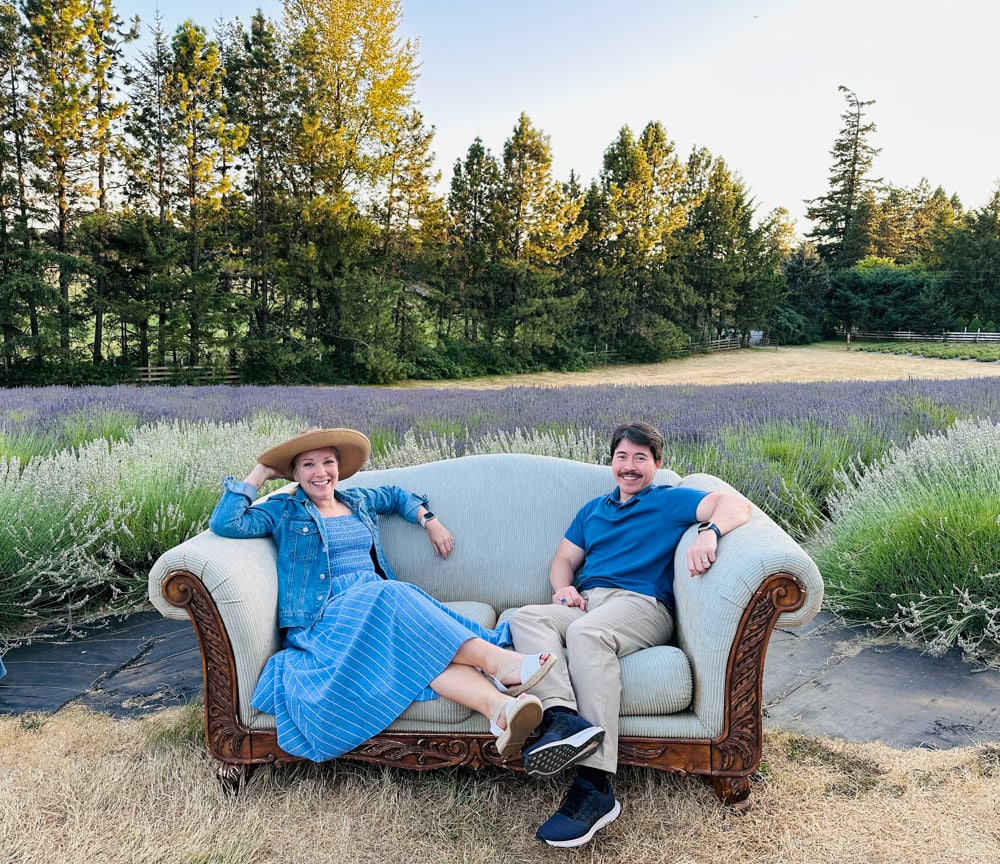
<point x="964" y="336"/>
<point x="186" y="374"/>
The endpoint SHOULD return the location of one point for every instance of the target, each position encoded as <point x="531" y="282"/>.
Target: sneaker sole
<point x="559" y="755"/>
<point x="606" y="819"/>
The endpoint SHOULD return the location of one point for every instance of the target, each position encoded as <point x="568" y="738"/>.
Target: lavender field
<point x="99" y="481"/>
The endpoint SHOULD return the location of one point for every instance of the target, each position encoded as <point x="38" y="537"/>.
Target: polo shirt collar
<point x="614" y="496"/>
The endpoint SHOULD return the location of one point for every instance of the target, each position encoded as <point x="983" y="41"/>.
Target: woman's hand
<point x="261" y="474"/>
<point x="441" y="538"/>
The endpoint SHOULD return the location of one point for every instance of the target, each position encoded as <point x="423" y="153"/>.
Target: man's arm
<point x="566" y="562"/>
<point x="726" y="511"/>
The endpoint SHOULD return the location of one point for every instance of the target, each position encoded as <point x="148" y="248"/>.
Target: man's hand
<point x="701" y="553"/>
<point x="569" y="596"/>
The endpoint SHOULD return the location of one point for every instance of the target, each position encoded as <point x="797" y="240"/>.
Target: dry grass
<point x="827" y="361"/>
<point x="80" y="787"/>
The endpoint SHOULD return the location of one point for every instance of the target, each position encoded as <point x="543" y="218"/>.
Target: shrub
<point x="913" y="542"/>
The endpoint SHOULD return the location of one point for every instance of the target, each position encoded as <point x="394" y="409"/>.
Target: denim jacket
<point x="297" y="528"/>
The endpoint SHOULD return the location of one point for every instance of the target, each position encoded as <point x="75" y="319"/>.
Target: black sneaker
<point x="565" y="740"/>
<point x="583" y="812"/>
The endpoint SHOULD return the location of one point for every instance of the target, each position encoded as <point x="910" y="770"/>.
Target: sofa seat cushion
<point x="444" y="710"/>
<point x="655" y="681"/>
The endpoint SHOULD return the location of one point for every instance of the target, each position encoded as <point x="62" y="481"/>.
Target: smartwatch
<point x="710" y="526"/>
<point x="426" y="518"/>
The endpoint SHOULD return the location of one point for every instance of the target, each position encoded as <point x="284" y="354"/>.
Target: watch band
<point x="426" y="518"/>
<point x="710" y="526"/>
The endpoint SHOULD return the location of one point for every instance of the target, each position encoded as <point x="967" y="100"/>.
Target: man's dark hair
<point x="642" y="435"/>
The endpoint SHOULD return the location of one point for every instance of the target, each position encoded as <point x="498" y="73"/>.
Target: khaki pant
<point x="588" y="680"/>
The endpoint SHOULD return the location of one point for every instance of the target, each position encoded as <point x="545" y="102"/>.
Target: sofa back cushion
<point x="508" y="513"/>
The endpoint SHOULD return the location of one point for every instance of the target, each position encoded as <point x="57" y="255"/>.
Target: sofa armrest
<point x="711" y="608"/>
<point x="240" y="576"/>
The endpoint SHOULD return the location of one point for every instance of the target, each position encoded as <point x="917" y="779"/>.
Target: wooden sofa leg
<point x="233" y="778"/>
<point x="734" y="792"/>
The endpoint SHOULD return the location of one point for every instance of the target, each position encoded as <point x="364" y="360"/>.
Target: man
<point x="622" y="601"/>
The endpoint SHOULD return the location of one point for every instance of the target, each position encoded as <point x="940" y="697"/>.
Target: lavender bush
<point x="913" y="542"/>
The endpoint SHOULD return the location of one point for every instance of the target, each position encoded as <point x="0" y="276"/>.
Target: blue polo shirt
<point x="632" y="545"/>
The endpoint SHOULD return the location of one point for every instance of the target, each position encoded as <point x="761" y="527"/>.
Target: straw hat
<point x="353" y="447"/>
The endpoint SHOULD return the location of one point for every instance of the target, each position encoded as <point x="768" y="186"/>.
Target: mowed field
<point x="827" y="361"/>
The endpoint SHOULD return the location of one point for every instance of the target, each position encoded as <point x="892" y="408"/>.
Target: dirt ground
<point x="824" y="362"/>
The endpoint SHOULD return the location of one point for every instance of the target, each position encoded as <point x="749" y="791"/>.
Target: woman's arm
<point x="233" y="516"/>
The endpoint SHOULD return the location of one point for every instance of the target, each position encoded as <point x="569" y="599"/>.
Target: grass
<point x="80" y="788"/>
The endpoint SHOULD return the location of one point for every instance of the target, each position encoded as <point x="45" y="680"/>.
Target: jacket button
<point x="305" y="530"/>
<point x="322" y="575"/>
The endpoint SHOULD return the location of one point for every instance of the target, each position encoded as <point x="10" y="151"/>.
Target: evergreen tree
<point x="194" y="89"/>
<point x="473" y="201"/>
<point x="106" y="39"/>
<point x="256" y="99"/>
<point x="153" y="164"/>
<point x="970" y="257"/>
<point x="24" y="291"/>
<point x="843" y="214"/>
<point x="536" y="230"/>
<point x="801" y="318"/>
<point x="60" y="119"/>
<point x="642" y="294"/>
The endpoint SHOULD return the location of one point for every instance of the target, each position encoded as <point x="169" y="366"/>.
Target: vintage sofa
<point x="693" y="707"/>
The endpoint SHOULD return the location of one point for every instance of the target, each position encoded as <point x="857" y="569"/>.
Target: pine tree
<point x="640" y="294"/>
<point x="472" y="204"/>
<point x="153" y="162"/>
<point x="843" y="215"/>
<point x="61" y="122"/>
<point x="536" y="226"/>
<point x="106" y="39"/>
<point x="194" y="88"/>
<point x="24" y="291"/>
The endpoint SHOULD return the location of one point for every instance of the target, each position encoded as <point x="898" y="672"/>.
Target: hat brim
<point x="352" y="447"/>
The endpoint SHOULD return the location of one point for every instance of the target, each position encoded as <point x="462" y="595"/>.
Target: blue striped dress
<point x="375" y="649"/>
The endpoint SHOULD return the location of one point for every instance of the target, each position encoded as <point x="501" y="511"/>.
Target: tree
<point x="719" y="234"/>
<point x="61" y="121"/>
<point x="840" y="231"/>
<point x="536" y="230"/>
<point x="640" y="295"/>
<point x="105" y="41"/>
<point x="970" y="258"/>
<point x="800" y="319"/>
<point x="152" y="164"/>
<point x="194" y="90"/>
<point x="472" y="201"/>
<point x="24" y="291"/>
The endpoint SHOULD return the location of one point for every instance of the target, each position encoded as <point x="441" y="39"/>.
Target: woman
<point x="360" y="646"/>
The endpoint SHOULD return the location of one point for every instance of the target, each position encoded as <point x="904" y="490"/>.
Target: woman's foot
<point x="524" y="673"/>
<point x="514" y="721"/>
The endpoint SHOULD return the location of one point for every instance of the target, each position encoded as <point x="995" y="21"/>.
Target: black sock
<point x="601" y="780"/>
<point x="549" y="713"/>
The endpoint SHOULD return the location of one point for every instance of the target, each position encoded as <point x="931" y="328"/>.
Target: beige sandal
<point x="523" y="716"/>
<point x="532" y="669"/>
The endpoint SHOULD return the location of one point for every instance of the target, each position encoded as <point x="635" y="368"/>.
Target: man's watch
<point x="426" y="518"/>
<point x="709" y="526"/>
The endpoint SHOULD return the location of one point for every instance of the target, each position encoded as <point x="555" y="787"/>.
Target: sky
<point x="754" y="81"/>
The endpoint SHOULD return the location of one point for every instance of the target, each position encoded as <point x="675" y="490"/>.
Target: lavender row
<point x="892" y="411"/>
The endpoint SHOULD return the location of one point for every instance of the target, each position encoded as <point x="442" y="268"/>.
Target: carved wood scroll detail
<point x="740" y="749"/>
<point x="227" y="737"/>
